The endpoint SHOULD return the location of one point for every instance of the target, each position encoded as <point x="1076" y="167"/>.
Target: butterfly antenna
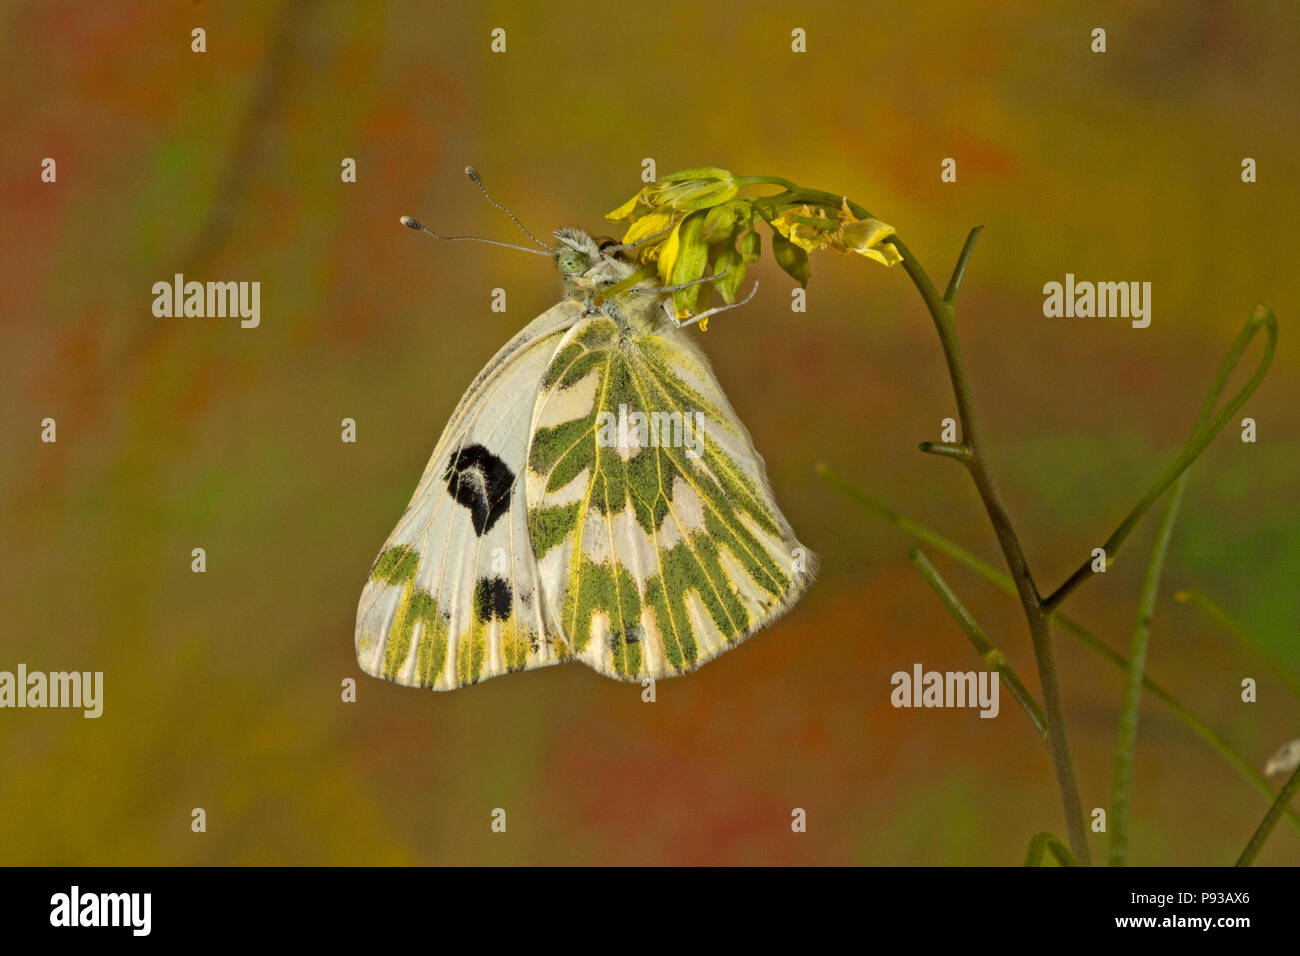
<point x="472" y="173"/>
<point x="721" y="308"/>
<point x="412" y="223"/>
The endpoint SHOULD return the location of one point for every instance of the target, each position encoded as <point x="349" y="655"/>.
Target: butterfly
<point x="594" y="497"/>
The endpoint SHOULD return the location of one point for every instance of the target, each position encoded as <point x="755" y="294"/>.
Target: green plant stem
<point x="743" y="181"/>
<point x="942" y="311"/>
<point x="1046" y="841"/>
<point x="766" y="205"/>
<point x="1003" y="582"/>
<point x="1247" y="640"/>
<point x="1181" y="711"/>
<point x="1261" y="316"/>
<point x="946" y="450"/>
<point x="1265" y="828"/>
<point x="1126" y="741"/>
<point x="985" y="647"/>
<point x="959" y="271"/>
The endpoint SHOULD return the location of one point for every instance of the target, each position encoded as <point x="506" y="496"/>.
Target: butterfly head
<point x="577" y="252"/>
<point x="590" y="266"/>
<point x="580" y="254"/>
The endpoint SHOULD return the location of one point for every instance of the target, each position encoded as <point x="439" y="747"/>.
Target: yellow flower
<point x="867" y="237"/>
<point x="625" y="211"/>
<point x="690" y="189"/>
<point x="667" y="252"/>
<point x="694" y="218"/>
<point x="665" y="204"/>
<point x="806" y="227"/>
<point x="690" y="194"/>
<point x="812" y="228"/>
<point x="647" y="225"/>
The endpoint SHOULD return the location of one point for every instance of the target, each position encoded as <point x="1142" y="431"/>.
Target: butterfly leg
<point x="691" y="320"/>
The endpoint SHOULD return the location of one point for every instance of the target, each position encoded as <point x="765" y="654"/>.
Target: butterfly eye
<point x="572" y="262"/>
<point x="613" y="249"/>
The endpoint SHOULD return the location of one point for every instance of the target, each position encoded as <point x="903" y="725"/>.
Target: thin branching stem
<point x="1265" y="828"/>
<point x="946" y="449"/>
<point x="1047" y="842"/>
<point x="983" y="646"/>
<point x="1126" y="741"/>
<point x="1248" y="640"/>
<point x="1002" y="581"/>
<point x="1261" y="317"/>
<point x="942" y="311"/>
<point x="1126" y="737"/>
<point x="959" y="271"/>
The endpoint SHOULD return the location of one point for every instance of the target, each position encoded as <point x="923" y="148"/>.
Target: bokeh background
<point x="223" y="689"/>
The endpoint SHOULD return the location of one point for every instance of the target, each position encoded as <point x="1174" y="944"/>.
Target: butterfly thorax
<point x="588" y="270"/>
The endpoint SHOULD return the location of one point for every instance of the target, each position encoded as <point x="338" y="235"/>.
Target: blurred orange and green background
<point x="222" y="690"/>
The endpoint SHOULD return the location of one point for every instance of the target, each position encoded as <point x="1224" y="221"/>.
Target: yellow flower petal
<point x="864" y="234"/>
<point x="785" y="222"/>
<point x="694" y="194"/>
<point x="886" y="255"/>
<point x="647" y="226"/>
<point x="625" y="210"/>
<point x="668" y="254"/>
<point x="808" y="237"/>
<point x="868" y="237"/>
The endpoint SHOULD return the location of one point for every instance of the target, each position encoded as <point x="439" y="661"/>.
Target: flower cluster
<point x="696" y="221"/>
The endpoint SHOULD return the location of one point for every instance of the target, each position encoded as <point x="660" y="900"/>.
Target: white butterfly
<point x="594" y="497"/>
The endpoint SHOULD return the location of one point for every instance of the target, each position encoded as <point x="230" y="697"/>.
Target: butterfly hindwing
<point x="658" y="542"/>
<point x="453" y="597"/>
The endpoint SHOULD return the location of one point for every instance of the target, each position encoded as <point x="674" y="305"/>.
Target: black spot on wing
<point x="631" y="636"/>
<point x="491" y="599"/>
<point x="481" y="482"/>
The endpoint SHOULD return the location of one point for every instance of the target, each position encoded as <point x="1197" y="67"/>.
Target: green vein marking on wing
<point x="396" y="565"/>
<point x="675" y="566"/>
<point x="642" y="378"/>
<point x="405" y="632"/>
<point x="417" y="606"/>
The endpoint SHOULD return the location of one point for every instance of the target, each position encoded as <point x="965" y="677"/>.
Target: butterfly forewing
<point x="453" y="597"/>
<point x="657" y="539"/>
